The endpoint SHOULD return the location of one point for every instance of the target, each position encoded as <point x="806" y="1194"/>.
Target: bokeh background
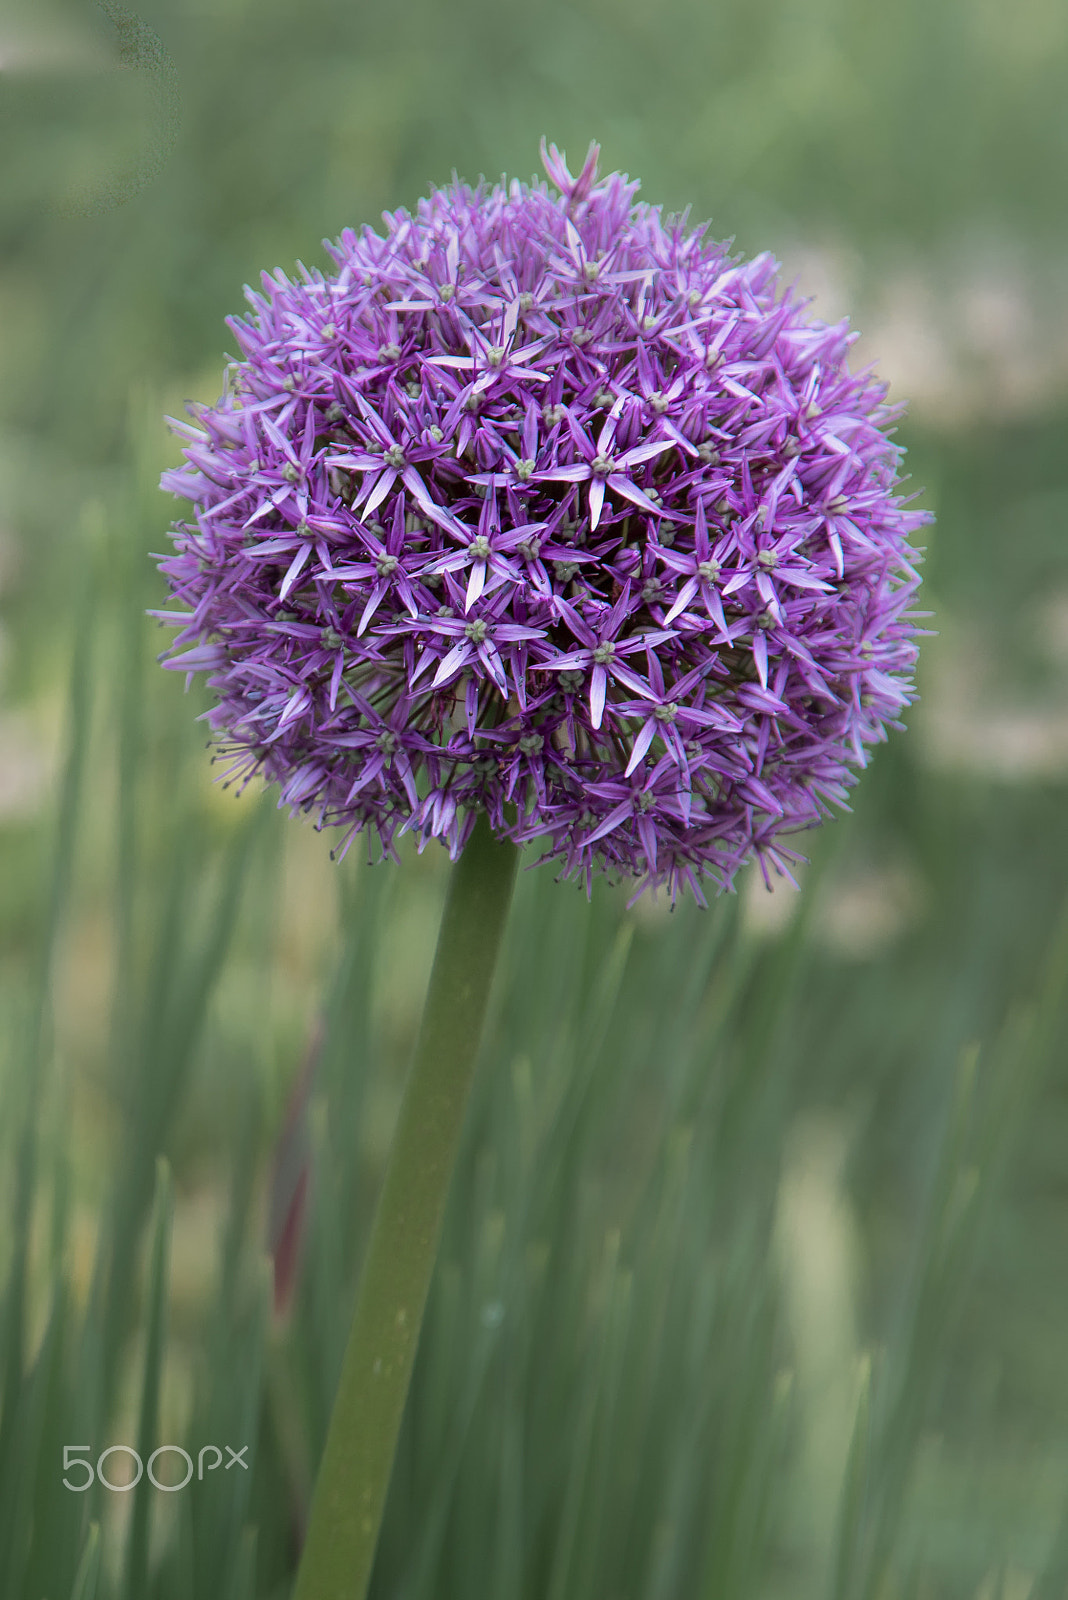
<point x="754" y="1280"/>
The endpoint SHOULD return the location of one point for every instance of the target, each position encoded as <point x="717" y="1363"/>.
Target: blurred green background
<point x="739" y="1187"/>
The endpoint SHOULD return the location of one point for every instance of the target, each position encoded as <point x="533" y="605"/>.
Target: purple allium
<point x="545" y="504"/>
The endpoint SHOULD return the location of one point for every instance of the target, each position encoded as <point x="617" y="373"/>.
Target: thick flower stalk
<point x="542" y="505"/>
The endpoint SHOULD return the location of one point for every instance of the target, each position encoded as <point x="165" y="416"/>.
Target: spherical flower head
<point x="542" y="503"/>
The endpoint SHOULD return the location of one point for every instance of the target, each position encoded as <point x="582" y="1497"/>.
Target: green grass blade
<point x="136" y="1574"/>
<point x="85" y="1581"/>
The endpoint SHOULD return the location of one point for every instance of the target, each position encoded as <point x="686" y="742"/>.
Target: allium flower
<point x="544" y="504"/>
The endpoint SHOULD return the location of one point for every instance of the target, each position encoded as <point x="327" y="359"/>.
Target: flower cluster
<point x="543" y="504"/>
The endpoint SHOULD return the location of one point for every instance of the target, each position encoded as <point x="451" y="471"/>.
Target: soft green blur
<point x="739" y="1187"/>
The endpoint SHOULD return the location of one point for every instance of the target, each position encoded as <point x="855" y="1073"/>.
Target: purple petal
<point x="596" y="501"/>
<point x="381" y="487"/>
<point x="598" y="692"/>
<point x="611" y="822"/>
<point x="450" y="664"/>
<point x="490" y="657"/>
<point x="682" y="600"/>
<point x="641" y="744"/>
<point x="475" y="584"/>
<point x="645" y="452"/>
<point x="295" y="568"/>
<point x="760" y="655"/>
<point x="631" y="492"/>
<point x="375" y="600"/>
<point x="577" y="473"/>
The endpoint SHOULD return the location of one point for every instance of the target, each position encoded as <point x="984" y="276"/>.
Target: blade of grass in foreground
<point x="85" y="1581"/>
<point x="136" y="1578"/>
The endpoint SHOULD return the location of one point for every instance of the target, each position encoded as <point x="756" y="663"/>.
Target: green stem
<point x="354" y="1475"/>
